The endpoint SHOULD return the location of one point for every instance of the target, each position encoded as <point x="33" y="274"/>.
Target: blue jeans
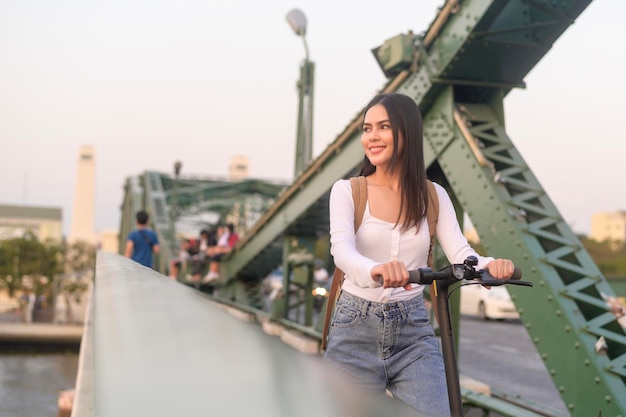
<point x="390" y="346"/>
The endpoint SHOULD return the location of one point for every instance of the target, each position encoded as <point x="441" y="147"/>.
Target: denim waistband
<point x="373" y="307"/>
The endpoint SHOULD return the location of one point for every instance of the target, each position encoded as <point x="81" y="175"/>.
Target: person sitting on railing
<point x="180" y="261"/>
<point x="200" y="259"/>
<point x="227" y="238"/>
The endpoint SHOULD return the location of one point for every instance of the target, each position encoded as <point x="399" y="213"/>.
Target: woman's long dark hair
<point x="406" y="122"/>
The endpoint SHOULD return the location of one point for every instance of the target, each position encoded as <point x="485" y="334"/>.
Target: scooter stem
<point x="448" y="349"/>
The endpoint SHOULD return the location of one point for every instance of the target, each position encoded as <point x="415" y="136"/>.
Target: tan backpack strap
<point x="432" y="214"/>
<point x="330" y="305"/>
<point x="359" y="197"/>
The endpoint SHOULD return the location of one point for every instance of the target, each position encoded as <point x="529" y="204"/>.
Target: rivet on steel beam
<point x="608" y="399"/>
<point x="536" y="340"/>
<point x="597" y="380"/>
<point x="577" y="345"/>
<point x="567" y="329"/>
<point x="544" y="356"/>
<point x="552" y="371"/>
<point x="562" y="388"/>
<point x="558" y="313"/>
<point x="550" y="297"/>
<point x="570" y="406"/>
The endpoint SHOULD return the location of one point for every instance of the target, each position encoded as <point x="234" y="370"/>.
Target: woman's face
<point x="377" y="137"/>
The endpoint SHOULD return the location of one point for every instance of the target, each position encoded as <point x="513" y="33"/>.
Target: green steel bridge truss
<point x="458" y="71"/>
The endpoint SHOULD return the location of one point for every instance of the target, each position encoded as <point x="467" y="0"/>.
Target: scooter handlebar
<point x="426" y="276"/>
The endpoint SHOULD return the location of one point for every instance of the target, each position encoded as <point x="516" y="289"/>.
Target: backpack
<point x="359" y="196"/>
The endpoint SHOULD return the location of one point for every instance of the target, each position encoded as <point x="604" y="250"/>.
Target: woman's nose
<point x="372" y="134"/>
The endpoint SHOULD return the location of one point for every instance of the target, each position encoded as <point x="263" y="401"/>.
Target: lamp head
<point x="297" y="21"/>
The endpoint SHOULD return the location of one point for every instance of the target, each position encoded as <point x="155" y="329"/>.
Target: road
<point x="502" y="355"/>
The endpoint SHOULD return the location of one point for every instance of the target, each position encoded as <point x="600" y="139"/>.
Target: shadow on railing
<point x="155" y="347"/>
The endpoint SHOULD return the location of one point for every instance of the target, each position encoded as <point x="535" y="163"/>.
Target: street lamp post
<point x="177" y="167"/>
<point x="304" y="140"/>
<point x="174" y="206"/>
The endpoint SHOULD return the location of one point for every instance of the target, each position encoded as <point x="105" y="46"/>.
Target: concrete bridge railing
<point x="155" y="347"/>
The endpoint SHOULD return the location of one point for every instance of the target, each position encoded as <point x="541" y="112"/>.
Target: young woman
<point x="380" y="333"/>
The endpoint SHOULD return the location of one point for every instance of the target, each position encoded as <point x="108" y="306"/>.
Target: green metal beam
<point x="564" y="314"/>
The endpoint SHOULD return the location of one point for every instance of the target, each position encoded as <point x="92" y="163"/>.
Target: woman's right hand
<point x="391" y="274"/>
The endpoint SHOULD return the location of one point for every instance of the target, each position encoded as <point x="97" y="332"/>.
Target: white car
<point x="494" y="303"/>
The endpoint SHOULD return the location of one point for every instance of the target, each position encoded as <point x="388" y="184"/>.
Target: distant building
<point x="608" y="226"/>
<point x="108" y="241"/>
<point x="46" y="223"/>
<point x="84" y="197"/>
<point x="238" y="168"/>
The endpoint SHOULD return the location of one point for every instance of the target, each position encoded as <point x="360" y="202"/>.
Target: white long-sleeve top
<point x="378" y="241"/>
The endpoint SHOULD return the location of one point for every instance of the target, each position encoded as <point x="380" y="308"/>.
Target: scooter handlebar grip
<point x="421" y="276"/>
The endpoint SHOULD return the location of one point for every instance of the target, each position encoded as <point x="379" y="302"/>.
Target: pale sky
<point x="149" y="83"/>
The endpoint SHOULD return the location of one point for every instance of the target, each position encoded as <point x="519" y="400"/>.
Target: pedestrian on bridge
<point x="380" y="332"/>
<point x="142" y="242"/>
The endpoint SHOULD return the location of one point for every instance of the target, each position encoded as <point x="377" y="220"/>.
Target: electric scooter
<point x="445" y="279"/>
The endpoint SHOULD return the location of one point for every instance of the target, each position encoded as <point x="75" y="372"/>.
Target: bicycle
<point x="445" y="278"/>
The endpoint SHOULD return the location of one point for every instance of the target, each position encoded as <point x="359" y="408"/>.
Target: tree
<point x="79" y="262"/>
<point x="27" y="263"/>
<point x="46" y="268"/>
<point x="609" y="256"/>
